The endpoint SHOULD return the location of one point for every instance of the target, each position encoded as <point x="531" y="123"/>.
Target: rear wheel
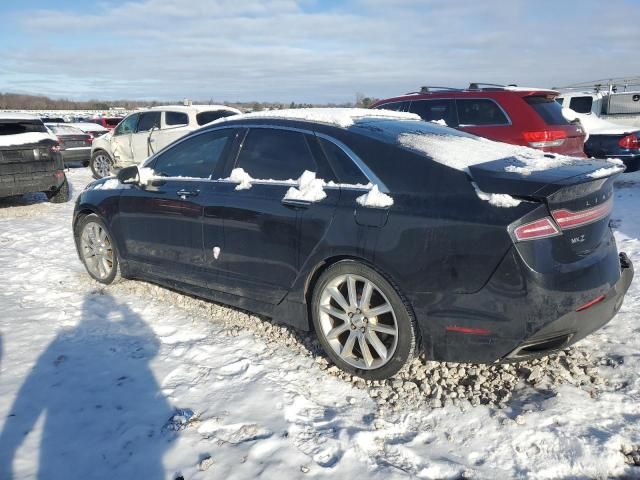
<point x="363" y="323"/>
<point x="101" y="164"/>
<point x="61" y="195"/>
<point x="97" y="250"/>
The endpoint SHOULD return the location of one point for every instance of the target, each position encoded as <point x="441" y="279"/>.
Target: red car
<point x="107" y="122"/>
<point x="516" y="115"/>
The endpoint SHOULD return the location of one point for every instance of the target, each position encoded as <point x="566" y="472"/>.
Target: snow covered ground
<point x="133" y="381"/>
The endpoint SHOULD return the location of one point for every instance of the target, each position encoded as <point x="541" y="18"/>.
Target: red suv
<point x="520" y="116"/>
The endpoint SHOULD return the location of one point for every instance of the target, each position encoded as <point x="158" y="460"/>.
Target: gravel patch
<point x="434" y="384"/>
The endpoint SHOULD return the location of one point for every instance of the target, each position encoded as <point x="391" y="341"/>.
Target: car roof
<point x="445" y="92"/>
<point x="195" y="108"/>
<point x="17" y="116"/>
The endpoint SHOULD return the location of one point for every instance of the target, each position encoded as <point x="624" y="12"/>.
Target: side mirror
<point x="129" y="175"/>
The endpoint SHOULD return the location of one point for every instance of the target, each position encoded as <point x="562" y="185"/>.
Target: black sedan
<point x="383" y="235"/>
<point x="625" y="146"/>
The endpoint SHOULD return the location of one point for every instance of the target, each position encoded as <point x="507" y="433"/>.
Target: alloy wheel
<point x="102" y="165"/>
<point x="358" y="321"/>
<point x="97" y="250"/>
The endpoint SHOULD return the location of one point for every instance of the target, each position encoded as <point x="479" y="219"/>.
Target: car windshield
<point x="65" y="130"/>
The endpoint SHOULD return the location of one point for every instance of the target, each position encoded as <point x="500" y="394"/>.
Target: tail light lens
<point x="543" y="228"/>
<point x="568" y="219"/>
<point x="630" y="141"/>
<point x="88" y="140"/>
<point x="545" y="138"/>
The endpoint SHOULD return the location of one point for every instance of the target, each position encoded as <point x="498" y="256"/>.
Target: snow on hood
<point x="595" y="125"/>
<point x="341" y="117"/>
<point x="25" y="138"/>
<point x="461" y="152"/>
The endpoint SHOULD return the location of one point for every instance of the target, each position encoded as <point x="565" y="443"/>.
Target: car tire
<point x="371" y="332"/>
<point x="97" y="249"/>
<point x="61" y="195"/>
<point x="101" y="164"/>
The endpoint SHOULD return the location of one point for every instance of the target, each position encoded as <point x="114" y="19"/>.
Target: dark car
<point x="30" y="159"/>
<point x="519" y="116"/>
<point x="394" y="250"/>
<point x="75" y="145"/>
<point x="625" y="146"/>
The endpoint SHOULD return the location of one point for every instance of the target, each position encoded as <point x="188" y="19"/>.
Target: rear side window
<point x="206" y="117"/>
<point x="195" y="157"/>
<point x="581" y="104"/>
<point x="548" y="109"/>
<point x="176" y="118"/>
<point x="480" y="111"/>
<point x="434" y="110"/>
<point x="149" y="120"/>
<point x="9" y="127"/>
<point x="347" y="171"/>
<point x="275" y="154"/>
<point x="395" y="106"/>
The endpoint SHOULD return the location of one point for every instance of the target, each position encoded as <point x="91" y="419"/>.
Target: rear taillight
<point x="545" y="138"/>
<point x="55" y="148"/>
<point x="630" y="141"/>
<point x="88" y="140"/>
<point x="568" y="219"/>
<point x="542" y="228"/>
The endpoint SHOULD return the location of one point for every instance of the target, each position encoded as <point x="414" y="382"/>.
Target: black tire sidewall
<point x="407" y="334"/>
<point x="116" y="257"/>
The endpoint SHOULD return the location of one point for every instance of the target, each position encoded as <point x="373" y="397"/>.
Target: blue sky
<point x="307" y="50"/>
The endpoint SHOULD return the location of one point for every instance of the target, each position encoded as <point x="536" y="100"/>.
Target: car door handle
<point x="187" y="193"/>
<point x="290" y="202"/>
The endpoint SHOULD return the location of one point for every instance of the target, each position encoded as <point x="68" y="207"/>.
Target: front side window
<point x="480" y="111"/>
<point x="128" y="125"/>
<point x="195" y="157"/>
<point x="275" y="154"/>
<point x="435" y="110"/>
<point x="149" y="120"/>
<point x="581" y="104"/>
<point x="173" y="119"/>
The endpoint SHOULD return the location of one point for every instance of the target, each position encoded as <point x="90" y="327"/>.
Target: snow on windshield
<point x="341" y="117"/>
<point x="461" y="152"/>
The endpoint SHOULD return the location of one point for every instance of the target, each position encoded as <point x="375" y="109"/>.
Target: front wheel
<point x="97" y="250"/>
<point x="101" y="164"/>
<point x="363" y="323"/>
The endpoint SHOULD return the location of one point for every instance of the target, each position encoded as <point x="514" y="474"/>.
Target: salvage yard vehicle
<point x="515" y="115"/>
<point x="91" y="128"/>
<point x="30" y="159"/>
<point x="397" y="235"/>
<point x="143" y="133"/>
<point x="609" y="140"/>
<point x="75" y="145"/>
<point x="616" y="100"/>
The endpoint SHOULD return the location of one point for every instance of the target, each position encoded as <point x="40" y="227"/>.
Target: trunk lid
<point x="578" y="197"/>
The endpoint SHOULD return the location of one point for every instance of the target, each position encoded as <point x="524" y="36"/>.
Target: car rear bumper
<point x="521" y="314"/>
<point x="20" y="183"/>
<point x="80" y="154"/>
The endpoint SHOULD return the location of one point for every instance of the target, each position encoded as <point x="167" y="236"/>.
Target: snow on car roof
<point x="196" y="108"/>
<point x="461" y="152"/>
<point x="341" y="117"/>
<point x="17" y="116"/>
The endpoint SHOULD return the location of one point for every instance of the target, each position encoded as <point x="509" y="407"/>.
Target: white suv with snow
<point x="143" y="133"/>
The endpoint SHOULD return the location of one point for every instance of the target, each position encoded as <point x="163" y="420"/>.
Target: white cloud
<point x="283" y="50"/>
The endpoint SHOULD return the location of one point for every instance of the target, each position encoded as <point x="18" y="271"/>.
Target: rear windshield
<point x="65" y="130"/>
<point x="14" y="127"/>
<point x="548" y="109"/>
<point x="206" y="117"/>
